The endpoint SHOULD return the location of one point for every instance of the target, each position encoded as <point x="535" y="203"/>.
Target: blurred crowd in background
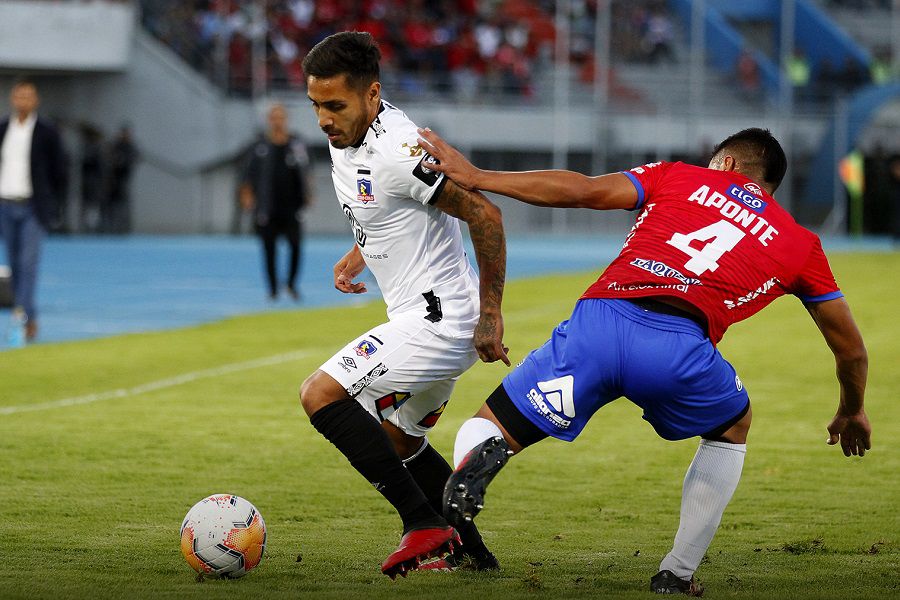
<point x="459" y="47"/>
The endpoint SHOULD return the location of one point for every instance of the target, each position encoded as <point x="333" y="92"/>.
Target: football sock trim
<point x="367" y="446"/>
<point x="473" y="432"/>
<point x="709" y="484"/>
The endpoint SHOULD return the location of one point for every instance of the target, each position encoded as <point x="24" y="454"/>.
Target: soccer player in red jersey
<point x="710" y="247"/>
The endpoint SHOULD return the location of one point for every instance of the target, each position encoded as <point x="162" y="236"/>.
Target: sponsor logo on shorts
<point x="749" y="197"/>
<point x="431" y="419"/>
<point x="738" y="383"/>
<point x="348" y="361"/>
<point x="661" y="269"/>
<point x="388" y="405"/>
<point x="366" y="349"/>
<point x="367" y="380"/>
<point x="557" y="403"/>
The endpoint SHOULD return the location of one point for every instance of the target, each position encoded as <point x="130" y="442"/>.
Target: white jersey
<point x="415" y="251"/>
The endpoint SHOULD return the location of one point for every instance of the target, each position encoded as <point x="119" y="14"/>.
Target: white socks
<point x="708" y="486"/>
<point x="473" y="432"/>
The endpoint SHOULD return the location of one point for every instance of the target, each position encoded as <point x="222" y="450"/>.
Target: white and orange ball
<point x="223" y="536"/>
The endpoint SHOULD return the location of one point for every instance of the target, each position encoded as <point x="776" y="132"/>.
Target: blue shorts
<point x="611" y="348"/>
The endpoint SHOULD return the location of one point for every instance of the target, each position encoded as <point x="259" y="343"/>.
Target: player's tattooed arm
<point x="486" y="229"/>
<point x="556" y="188"/>
<point x="850" y="426"/>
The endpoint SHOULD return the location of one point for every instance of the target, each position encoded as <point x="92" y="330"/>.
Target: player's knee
<point x="737" y="433"/>
<point x="313" y="394"/>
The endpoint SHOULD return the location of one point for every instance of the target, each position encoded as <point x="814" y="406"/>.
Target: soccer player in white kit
<point x="377" y="398"/>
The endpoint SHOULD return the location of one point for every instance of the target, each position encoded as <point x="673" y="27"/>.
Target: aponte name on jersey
<point x="715" y="240"/>
<point x="414" y="250"/>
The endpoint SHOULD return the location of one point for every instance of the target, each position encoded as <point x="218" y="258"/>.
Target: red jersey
<point x="716" y="240"/>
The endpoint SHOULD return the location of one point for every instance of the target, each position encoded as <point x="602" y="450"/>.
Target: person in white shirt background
<point x="32" y="181"/>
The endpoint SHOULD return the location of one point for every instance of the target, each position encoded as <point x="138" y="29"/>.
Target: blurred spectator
<point x="894" y="168"/>
<point x="798" y="72"/>
<point x="275" y="186"/>
<point x="748" y="75"/>
<point x="122" y="156"/>
<point x="880" y="67"/>
<point x="658" y="38"/>
<point x="32" y="181"/>
<point x="91" y="178"/>
<point x="852" y="75"/>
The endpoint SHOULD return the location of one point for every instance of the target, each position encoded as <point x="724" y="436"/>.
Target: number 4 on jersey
<point x="720" y="237"/>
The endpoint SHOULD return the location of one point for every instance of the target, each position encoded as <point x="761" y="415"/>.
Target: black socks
<point x="431" y="472"/>
<point x="367" y="446"/>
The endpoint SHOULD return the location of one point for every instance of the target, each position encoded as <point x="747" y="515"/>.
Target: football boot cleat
<point x="666" y="582"/>
<point x="465" y="489"/>
<point x="417" y="546"/>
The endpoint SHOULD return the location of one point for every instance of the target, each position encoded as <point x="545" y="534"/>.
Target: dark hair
<point x="759" y="152"/>
<point x="352" y="53"/>
<point x="22" y="81"/>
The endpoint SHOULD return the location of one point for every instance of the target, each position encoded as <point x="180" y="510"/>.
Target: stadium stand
<point x="485" y="72"/>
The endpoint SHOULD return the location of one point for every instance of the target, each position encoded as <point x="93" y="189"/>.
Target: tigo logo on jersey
<point x="364" y="189"/>
<point x="748" y="199"/>
<point x="366" y="348"/>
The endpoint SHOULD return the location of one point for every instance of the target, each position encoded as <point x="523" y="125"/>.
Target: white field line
<point x="207" y="373"/>
<point x="159" y="384"/>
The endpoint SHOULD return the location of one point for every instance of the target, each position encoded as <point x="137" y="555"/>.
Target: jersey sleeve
<point x="645" y="179"/>
<point x="815" y="282"/>
<point x="408" y="174"/>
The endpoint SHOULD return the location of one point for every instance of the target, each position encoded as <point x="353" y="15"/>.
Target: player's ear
<point x="374" y="91"/>
<point x="728" y="163"/>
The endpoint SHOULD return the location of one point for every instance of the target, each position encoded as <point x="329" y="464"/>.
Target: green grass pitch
<point x="93" y="489"/>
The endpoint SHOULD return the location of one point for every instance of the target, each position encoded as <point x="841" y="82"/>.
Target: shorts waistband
<point x="651" y="310"/>
<point x="663" y="308"/>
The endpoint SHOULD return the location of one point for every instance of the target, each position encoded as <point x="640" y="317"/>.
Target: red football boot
<point x="419" y="545"/>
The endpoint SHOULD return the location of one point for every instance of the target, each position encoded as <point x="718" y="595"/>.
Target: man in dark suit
<point x="32" y="182"/>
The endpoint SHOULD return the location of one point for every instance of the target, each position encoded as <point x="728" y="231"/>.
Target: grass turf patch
<point x="94" y="490"/>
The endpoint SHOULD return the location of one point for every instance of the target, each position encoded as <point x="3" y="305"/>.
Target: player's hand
<point x="852" y="431"/>
<point x="350" y="265"/>
<point x="452" y="163"/>
<point x="489" y="338"/>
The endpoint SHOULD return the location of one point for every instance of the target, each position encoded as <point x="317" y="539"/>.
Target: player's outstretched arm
<point x="486" y="229"/>
<point x="850" y="425"/>
<point x="350" y="265"/>
<point x="560" y="189"/>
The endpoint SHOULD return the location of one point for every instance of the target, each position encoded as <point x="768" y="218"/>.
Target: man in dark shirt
<point x="275" y="185"/>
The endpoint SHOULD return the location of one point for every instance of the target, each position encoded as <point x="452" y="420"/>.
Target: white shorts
<point x="403" y="371"/>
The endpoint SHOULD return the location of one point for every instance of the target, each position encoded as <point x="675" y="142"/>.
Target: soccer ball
<point x="223" y="536"/>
